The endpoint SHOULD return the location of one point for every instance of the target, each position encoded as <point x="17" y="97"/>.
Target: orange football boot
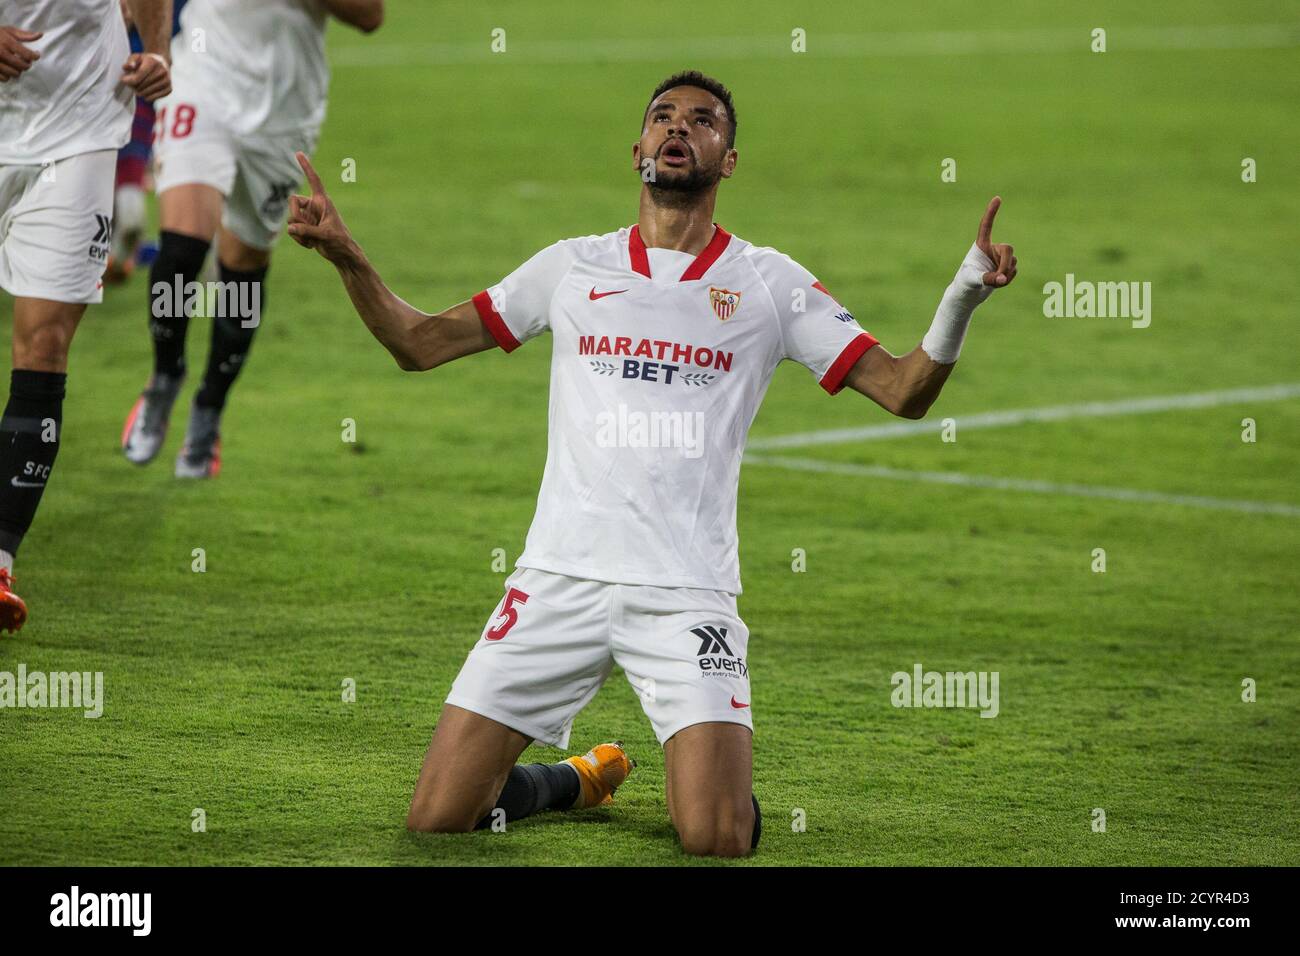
<point x="13" y="610"/>
<point x="601" y="771"/>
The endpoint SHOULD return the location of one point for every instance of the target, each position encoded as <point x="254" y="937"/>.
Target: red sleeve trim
<point x="833" y="380"/>
<point x="827" y="292"/>
<point x="495" y="324"/>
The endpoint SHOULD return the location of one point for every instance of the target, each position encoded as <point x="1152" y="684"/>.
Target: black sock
<point x="29" y="441"/>
<point x="178" y="263"/>
<point x="533" y="787"/>
<point x="239" y="313"/>
<point x="758" y="823"/>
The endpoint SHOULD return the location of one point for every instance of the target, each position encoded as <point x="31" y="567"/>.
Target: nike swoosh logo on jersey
<point x="593" y="295"/>
<point x="736" y="704"/>
<point x="26" y="484"/>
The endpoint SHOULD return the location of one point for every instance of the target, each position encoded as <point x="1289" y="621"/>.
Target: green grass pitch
<point x="372" y="561"/>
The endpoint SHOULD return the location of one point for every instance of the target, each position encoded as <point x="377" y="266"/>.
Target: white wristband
<point x="966" y="291"/>
<point x="161" y="59"/>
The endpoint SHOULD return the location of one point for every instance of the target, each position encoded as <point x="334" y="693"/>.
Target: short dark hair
<point x="708" y="84"/>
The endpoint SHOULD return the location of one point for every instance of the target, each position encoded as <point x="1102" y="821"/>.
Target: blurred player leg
<point x="132" y="174"/>
<point x="239" y="110"/>
<point x="252" y="221"/>
<point x="55" y="222"/>
<point x="708" y="778"/>
<point x="31" y="428"/>
<point x="241" y="270"/>
<point x="189" y="216"/>
<point x="128" y="231"/>
<point x="128" y="199"/>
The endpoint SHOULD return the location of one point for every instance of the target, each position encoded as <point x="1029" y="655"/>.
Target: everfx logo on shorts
<point x="715" y="655"/>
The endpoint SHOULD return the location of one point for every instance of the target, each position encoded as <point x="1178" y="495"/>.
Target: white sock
<point x="6" y="560"/>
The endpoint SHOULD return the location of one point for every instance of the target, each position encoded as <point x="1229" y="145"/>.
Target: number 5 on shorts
<point x="509" y="614"/>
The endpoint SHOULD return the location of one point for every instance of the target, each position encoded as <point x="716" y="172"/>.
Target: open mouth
<point x="675" y="153"/>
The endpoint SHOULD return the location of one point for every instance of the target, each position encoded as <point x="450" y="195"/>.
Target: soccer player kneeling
<point x="632" y="555"/>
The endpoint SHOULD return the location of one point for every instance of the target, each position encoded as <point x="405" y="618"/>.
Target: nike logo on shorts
<point x="736" y="704"/>
<point x="26" y="484"/>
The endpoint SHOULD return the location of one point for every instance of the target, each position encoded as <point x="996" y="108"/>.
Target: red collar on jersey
<point x="641" y="261"/>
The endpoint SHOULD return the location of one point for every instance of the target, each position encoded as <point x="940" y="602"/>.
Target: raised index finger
<point x="317" y="188"/>
<point x="986" y="224"/>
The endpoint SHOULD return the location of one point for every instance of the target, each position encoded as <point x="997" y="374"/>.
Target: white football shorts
<point x="553" y="640"/>
<point x="55" y="224"/>
<point x="256" y="173"/>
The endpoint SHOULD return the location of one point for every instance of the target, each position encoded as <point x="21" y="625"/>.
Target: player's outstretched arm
<point x="149" y="73"/>
<point x="365" y="15"/>
<point x="417" y="340"/>
<point x="907" y="385"/>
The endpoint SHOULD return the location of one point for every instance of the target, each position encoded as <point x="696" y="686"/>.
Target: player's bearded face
<point x="683" y="147"/>
<point x="680" y="169"/>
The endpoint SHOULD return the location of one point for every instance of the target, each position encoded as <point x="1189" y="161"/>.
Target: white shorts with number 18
<point x="256" y="173"/>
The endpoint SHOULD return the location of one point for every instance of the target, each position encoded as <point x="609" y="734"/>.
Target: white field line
<point x="707" y="49"/>
<point x="1021" y="484"/>
<point x="1054" y="413"/>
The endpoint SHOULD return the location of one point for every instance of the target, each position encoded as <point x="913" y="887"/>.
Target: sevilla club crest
<point x="724" y="302"/>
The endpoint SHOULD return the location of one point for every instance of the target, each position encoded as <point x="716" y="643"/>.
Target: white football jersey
<point x="262" y="62"/>
<point x="71" y="100"/>
<point x="660" y="361"/>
